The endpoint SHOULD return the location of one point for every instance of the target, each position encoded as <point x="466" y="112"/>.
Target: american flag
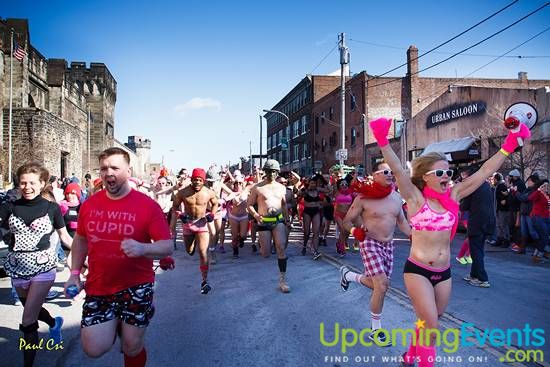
<point x="18" y="52"/>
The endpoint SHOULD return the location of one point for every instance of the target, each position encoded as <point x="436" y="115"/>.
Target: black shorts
<point x="312" y="211"/>
<point x="134" y="306"/>
<point x="434" y="275"/>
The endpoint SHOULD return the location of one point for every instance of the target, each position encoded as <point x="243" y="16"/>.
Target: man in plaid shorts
<point x="380" y="208"/>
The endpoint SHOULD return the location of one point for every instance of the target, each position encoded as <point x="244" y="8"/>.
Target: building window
<point x="269" y="142"/>
<point x="331" y="114"/>
<point x="353" y="136"/>
<point x="304" y="124"/>
<point x="280" y="140"/>
<point x="332" y="140"/>
<point x="316" y="125"/>
<point x="296" y="152"/>
<point x="296" y="128"/>
<point x="304" y="151"/>
<point x="323" y="144"/>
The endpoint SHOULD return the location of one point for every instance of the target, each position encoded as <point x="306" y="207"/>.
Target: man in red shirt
<point x="121" y="231"/>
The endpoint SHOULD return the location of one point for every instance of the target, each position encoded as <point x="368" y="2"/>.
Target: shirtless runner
<point x="195" y="199"/>
<point x="271" y="216"/>
<point x="380" y="208"/>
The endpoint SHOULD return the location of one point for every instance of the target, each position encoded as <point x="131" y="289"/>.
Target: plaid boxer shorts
<point x="377" y="257"/>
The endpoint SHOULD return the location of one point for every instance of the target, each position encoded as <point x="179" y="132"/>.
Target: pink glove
<point x="511" y="142"/>
<point x="380" y="128"/>
<point x="167" y="263"/>
<point x="358" y="233"/>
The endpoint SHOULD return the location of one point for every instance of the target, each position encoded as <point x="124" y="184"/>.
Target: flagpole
<point x="88" y="140"/>
<point x="10" y="114"/>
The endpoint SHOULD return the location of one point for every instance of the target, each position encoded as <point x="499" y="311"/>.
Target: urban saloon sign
<point x="455" y="112"/>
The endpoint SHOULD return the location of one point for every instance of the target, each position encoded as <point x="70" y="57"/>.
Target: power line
<point x="450" y="53"/>
<point x="452" y="39"/>
<point x="492" y="61"/>
<point x="324" y="58"/>
<point x="466" y="49"/>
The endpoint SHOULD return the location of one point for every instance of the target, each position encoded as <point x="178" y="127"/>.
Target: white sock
<point x="376" y="322"/>
<point x="353" y="277"/>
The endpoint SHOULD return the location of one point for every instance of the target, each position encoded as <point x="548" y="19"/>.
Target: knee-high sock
<point x="30" y="335"/>
<point x="412" y="352"/>
<point x="138" y="360"/>
<point x="43" y="315"/>
<point x="204" y="272"/>
<point x="282" y="265"/>
<point x="426" y="356"/>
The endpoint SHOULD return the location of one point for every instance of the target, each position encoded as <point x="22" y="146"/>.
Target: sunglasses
<point x="386" y="172"/>
<point x="440" y="172"/>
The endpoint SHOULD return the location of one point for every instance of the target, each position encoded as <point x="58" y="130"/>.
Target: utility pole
<point x="250" y="143"/>
<point x="344" y="61"/>
<point x="261" y="141"/>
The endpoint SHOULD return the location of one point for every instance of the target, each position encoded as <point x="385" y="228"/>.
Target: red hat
<point x="97" y="182"/>
<point x="198" y="172"/>
<point x="73" y="188"/>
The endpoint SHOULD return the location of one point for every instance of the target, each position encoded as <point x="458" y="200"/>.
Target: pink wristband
<point x="75" y="272"/>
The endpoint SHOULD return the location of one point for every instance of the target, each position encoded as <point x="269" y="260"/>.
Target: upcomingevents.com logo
<point x="524" y="343"/>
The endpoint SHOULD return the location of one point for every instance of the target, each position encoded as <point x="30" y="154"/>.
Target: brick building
<point x="295" y="134"/>
<point x="62" y="115"/>
<point x="400" y="98"/>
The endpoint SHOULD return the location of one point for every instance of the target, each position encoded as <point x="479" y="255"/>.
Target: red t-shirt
<point x="105" y="223"/>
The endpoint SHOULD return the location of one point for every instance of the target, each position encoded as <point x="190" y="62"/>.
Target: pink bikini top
<point x="344" y="199"/>
<point x="426" y="219"/>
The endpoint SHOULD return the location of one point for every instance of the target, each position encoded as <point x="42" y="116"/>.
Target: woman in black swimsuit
<point x="312" y="215"/>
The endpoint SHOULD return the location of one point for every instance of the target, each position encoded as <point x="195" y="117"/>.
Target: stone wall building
<point x="62" y="115"/>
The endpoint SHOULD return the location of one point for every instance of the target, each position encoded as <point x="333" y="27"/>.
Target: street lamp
<point x="272" y="111"/>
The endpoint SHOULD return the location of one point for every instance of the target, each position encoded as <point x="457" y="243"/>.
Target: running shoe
<point x="468" y="259"/>
<point x="346" y="247"/>
<point x="316" y="255"/>
<point x="55" y="331"/>
<point x="344" y="283"/>
<point x="356" y="247"/>
<point x="222" y="249"/>
<point x="538" y="259"/>
<point x="52" y="295"/>
<point x="235" y="252"/>
<point x="205" y="288"/>
<point x="254" y="248"/>
<point x="462" y="260"/>
<point x="304" y="251"/>
<point x="468" y="278"/>
<point x="283" y="286"/>
<point x="517" y="248"/>
<point x="380" y="339"/>
<point x="479" y="283"/>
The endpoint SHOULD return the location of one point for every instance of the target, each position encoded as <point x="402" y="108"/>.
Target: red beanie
<point x="198" y="172"/>
<point x="73" y="188"/>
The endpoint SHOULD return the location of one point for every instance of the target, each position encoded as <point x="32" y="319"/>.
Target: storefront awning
<point x="457" y="150"/>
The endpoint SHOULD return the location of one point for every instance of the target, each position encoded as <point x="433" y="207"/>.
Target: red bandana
<point x="371" y="190"/>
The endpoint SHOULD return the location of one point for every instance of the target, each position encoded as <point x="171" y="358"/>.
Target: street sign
<point x="341" y="154"/>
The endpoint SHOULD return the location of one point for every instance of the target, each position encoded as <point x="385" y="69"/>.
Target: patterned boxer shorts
<point x="134" y="306"/>
<point x="377" y="257"/>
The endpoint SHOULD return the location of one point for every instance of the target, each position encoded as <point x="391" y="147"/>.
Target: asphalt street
<point x="246" y="321"/>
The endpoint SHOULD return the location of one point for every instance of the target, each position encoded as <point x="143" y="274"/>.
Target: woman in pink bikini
<point x="342" y="203"/>
<point x="433" y="213"/>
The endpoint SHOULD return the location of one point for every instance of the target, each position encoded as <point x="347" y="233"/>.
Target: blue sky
<point x="193" y="76"/>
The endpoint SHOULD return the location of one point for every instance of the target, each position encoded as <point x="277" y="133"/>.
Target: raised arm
<point x="380" y="128"/>
<point x="465" y="188"/>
